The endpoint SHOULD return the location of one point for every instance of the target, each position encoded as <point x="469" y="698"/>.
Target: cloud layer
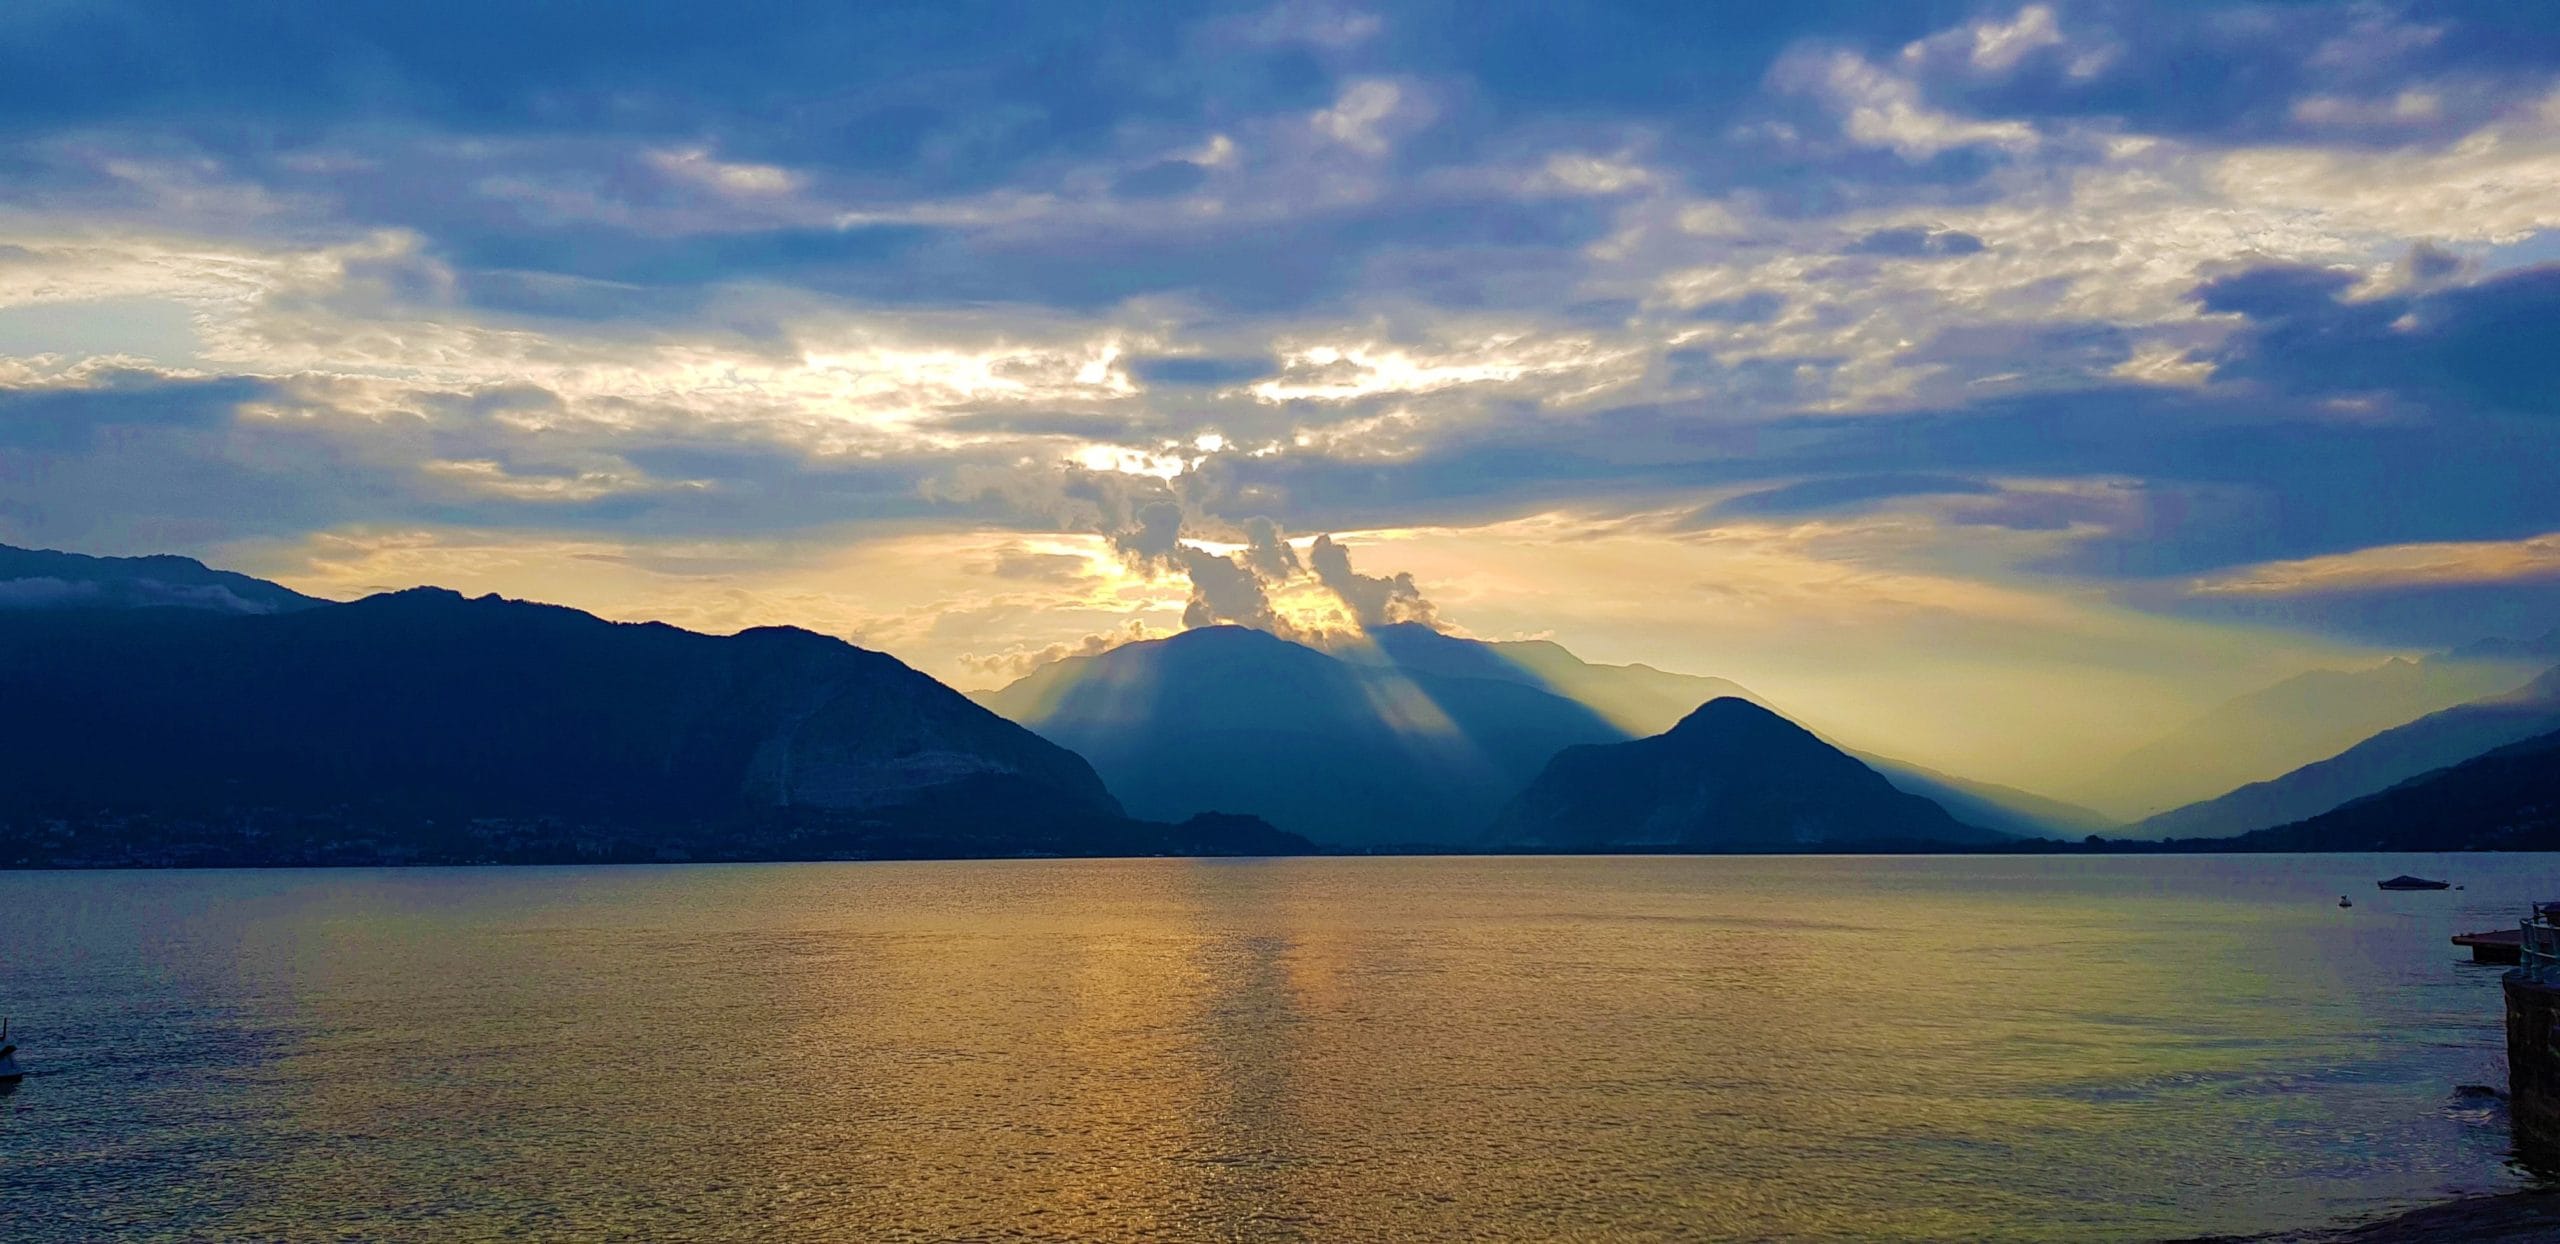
<point x="984" y="336"/>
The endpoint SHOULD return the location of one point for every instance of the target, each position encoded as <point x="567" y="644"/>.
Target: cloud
<point x="2394" y="566"/>
<point x="1362" y="117"/>
<point x="1200" y="371"/>
<point x="2054" y="303"/>
<point x="1223" y="590"/>
<point x="2485" y="346"/>
<point x="1372" y="600"/>
<point x="1013" y="662"/>
<point x="1878" y="108"/>
<point x="1268" y="555"/>
<point x="1825" y="494"/>
<point x="43" y="592"/>
<point x="1911" y="242"/>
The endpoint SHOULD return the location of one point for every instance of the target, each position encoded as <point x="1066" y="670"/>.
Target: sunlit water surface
<point x="1787" y="1048"/>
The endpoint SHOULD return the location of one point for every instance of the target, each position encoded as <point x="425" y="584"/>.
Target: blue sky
<point x="1885" y="357"/>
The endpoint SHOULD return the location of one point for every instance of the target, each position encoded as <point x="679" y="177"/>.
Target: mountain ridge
<point x="2267" y="733"/>
<point x="413" y="711"/>
<point x="1732" y="776"/>
<point x="2437" y="740"/>
<point x="50" y="578"/>
<point x="2506" y="799"/>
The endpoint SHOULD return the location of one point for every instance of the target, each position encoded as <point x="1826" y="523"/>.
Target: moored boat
<point x="2406" y="882"/>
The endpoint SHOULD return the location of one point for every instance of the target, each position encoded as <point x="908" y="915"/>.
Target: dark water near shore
<point x="1764" y="1048"/>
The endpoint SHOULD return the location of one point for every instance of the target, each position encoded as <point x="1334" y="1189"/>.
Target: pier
<point x="2533" y="1029"/>
<point x="2494" y="946"/>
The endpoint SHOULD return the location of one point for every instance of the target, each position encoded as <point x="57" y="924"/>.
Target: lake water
<point x="1356" y="1049"/>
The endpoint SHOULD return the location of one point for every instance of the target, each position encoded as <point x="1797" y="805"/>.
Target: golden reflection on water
<point x="1317" y="1049"/>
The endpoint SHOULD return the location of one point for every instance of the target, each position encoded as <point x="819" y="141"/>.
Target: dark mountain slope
<point x="2506" y="800"/>
<point x="2273" y="731"/>
<point x="1731" y="776"/>
<point x="2432" y="742"/>
<point x="404" y="712"/>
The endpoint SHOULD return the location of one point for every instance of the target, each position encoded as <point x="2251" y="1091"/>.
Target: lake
<point x="1824" y="1048"/>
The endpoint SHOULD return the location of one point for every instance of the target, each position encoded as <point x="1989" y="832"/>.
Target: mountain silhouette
<point x="2301" y="720"/>
<point x="1731" y="776"/>
<point x="422" y="705"/>
<point x="1355" y="753"/>
<point x="2432" y="742"/>
<point x="46" y="579"/>
<point x="2505" y="800"/>
<point x="1641" y="700"/>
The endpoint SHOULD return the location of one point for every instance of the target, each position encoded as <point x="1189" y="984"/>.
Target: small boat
<point x="2406" y="882"/>
<point x="2342" y="901"/>
<point x="9" y="1073"/>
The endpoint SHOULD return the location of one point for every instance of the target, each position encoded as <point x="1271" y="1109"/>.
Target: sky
<point x="2016" y="380"/>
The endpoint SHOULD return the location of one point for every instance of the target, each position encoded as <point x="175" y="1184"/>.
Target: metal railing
<point x="2540" y="961"/>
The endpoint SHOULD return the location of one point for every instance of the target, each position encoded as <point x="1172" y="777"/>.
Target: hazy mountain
<point x="1351" y="752"/>
<point x="1641" y="700"/>
<point x="422" y="704"/>
<point x="2432" y="742"/>
<point x="1638" y="699"/>
<point x="1989" y="804"/>
<point x="1731" y="776"/>
<point x="2538" y="650"/>
<point x="2278" y="729"/>
<point x="44" y="579"/>
<point x="2505" y="800"/>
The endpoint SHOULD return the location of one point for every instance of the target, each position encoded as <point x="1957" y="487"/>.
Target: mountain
<point x="45" y="579"/>
<point x="1641" y="700"/>
<point x="2504" y="800"/>
<point x="1731" y="776"/>
<point x="2277" y="729"/>
<point x="2542" y="649"/>
<point x="1357" y="753"/>
<point x="1638" y="699"/>
<point x="423" y="708"/>
<point x="1990" y="805"/>
<point x="2432" y="742"/>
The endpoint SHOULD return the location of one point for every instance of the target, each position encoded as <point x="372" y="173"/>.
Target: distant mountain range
<point x="2505" y="800"/>
<point x="2432" y="742"/>
<point x="1731" y="776"/>
<point x="2306" y="718"/>
<point x="153" y="710"/>
<point x="418" y="709"/>
<point x="43" y="579"/>
<point x="1404" y="736"/>
<point x="1641" y="700"/>
<point x="1348" y="753"/>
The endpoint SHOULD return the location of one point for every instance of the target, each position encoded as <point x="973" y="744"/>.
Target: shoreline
<point x="2531" y="1216"/>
